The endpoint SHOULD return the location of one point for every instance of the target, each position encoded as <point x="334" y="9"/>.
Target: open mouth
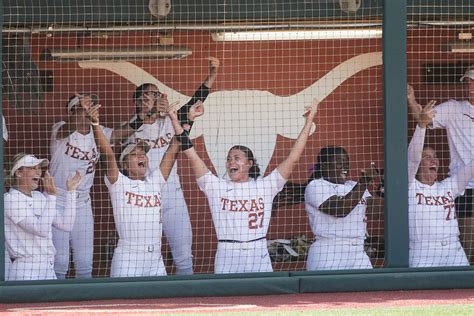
<point x="233" y="170"/>
<point x="141" y="163"/>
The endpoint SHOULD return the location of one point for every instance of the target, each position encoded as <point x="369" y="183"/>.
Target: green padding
<point x="148" y="289"/>
<point x="387" y="281"/>
<point x="378" y="271"/>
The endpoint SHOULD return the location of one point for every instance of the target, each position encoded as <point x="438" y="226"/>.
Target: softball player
<point x="336" y="209"/>
<point x="457" y="117"/>
<point x="8" y="261"/>
<point x="157" y="131"/>
<point x="136" y="202"/>
<point x="73" y="148"/>
<point x="30" y="215"/>
<point x="241" y="207"/>
<point x="433" y="226"/>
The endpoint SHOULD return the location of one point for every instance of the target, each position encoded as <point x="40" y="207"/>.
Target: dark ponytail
<point x="293" y="193"/>
<point x="254" y="171"/>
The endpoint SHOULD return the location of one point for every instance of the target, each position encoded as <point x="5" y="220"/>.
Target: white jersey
<point x="137" y="208"/>
<point x="75" y="152"/>
<point x="158" y="136"/>
<point x="326" y="226"/>
<point x="457" y="117"/>
<point x="241" y="211"/>
<point x="5" y="131"/>
<point x="431" y="213"/>
<point x="28" y="222"/>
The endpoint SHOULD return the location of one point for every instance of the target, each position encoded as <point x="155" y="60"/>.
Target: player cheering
<point x="30" y="215"/>
<point x="336" y="209"/>
<point x="136" y="202"/>
<point x="157" y="130"/>
<point x="73" y="148"/>
<point x="433" y="226"/>
<point x="241" y="208"/>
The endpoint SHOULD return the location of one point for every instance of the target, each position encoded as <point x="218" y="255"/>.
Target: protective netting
<point x="439" y="54"/>
<point x="255" y="68"/>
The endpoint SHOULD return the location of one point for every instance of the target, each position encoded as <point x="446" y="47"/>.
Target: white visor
<point x="130" y="147"/>
<point x="77" y="100"/>
<point x="469" y="73"/>
<point x="28" y="161"/>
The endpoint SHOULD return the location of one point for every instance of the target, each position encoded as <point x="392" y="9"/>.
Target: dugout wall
<point x="363" y="110"/>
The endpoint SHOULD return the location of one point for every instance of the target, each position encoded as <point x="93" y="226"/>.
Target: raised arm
<point x="112" y="170"/>
<point x="286" y="166"/>
<point x="199" y="167"/>
<point x="171" y="153"/>
<point x="185" y="114"/>
<point x="415" y="149"/>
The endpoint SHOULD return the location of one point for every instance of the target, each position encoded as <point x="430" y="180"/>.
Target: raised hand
<point x="162" y="105"/>
<point x="86" y="101"/>
<point x="48" y="184"/>
<point x="74" y="181"/>
<point x="196" y="110"/>
<point x="93" y="114"/>
<point x="366" y="175"/>
<point x="214" y="64"/>
<point x="427" y="114"/>
<point x="311" y="110"/>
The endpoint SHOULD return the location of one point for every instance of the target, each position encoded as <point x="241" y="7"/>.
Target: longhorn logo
<point x="251" y="118"/>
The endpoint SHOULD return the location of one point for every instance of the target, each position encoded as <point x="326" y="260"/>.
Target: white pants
<point x="243" y="257"/>
<point x="177" y="227"/>
<point x="32" y="268"/>
<point x="8" y="263"/>
<point x="137" y="260"/>
<point x="81" y="239"/>
<point x="441" y="253"/>
<point x="337" y="254"/>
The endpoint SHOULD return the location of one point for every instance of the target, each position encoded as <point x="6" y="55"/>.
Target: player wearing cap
<point x="433" y="226"/>
<point x="30" y="215"/>
<point x="157" y="131"/>
<point x="457" y="117"/>
<point x="241" y="207"/>
<point x="136" y="202"/>
<point x="73" y="148"/>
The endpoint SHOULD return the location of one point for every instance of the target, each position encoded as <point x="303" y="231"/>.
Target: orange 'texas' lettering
<point x="251" y="205"/>
<point x="143" y="200"/>
<point x="434" y="200"/>
<point x="77" y="153"/>
<point x="159" y="142"/>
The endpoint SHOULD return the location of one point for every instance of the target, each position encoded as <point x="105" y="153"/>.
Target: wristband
<point x="187" y="122"/>
<point x="95" y="124"/>
<point x="186" y="143"/>
<point x="135" y="123"/>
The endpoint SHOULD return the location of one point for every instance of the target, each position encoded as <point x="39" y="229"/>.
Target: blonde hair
<point x="9" y="177"/>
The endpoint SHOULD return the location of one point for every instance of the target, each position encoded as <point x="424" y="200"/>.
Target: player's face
<point x="28" y="177"/>
<point x="429" y="165"/>
<point x="238" y="166"/>
<point x="136" y="164"/>
<point x="336" y="169"/>
<point x="150" y="97"/>
<point x="79" y="112"/>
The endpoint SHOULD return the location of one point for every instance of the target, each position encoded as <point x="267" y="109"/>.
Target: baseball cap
<point x="130" y="147"/>
<point x="469" y="73"/>
<point x="76" y="100"/>
<point x="28" y="161"/>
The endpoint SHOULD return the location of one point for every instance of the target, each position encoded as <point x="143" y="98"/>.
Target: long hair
<point x="293" y="193"/>
<point x="254" y="171"/>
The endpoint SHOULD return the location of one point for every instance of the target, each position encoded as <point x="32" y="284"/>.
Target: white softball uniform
<point x="28" y="232"/>
<point x="339" y="241"/>
<point x="75" y="152"/>
<point x="433" y="226"/>
<point x="241" y="214"/>
<point x="137" y="214"/>
<point x="176" y="221"/>
<point x="457" y="117"/>
<point x="5" y="131"/>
